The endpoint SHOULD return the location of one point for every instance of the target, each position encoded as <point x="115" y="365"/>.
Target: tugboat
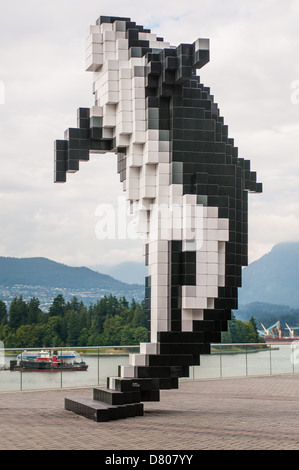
<point x="45" y="361"/>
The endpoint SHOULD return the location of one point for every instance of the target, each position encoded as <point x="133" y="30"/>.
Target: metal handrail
<point x="228" y="353"/>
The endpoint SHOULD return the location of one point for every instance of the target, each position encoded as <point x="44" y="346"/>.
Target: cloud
<point x="254" y="49"/>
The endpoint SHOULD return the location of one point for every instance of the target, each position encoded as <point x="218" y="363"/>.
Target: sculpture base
<point x="100" y="411"/>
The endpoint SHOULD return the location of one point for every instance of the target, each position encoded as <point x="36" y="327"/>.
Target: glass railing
<point x="20" y="369"/>
<point x="25" y="369"/>
<point x="239" y="360"/>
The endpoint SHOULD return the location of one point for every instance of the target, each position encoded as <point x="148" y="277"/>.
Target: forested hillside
<point x="109" y="321"/>
<point x="45" y="272"/>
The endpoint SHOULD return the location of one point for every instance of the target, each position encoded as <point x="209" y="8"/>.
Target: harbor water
<point x="224" y="361"/>
<point x="99" y="368"/>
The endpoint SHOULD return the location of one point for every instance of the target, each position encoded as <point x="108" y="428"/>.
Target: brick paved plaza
<point x="249" y="413"/>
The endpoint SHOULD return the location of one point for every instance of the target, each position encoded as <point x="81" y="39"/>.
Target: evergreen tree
<point x="140" y="335"/>
<point x="58" y="307"/>
<point x="249" y="333"/>
<point x="110" y="321"/>
<point x="112" y="305"/>
<point x="55" y="332"/>
<point x="3" y="313"/>
<point x="18" y="313"/>
<point x="240" y="332"/>
<point x="75" y="304"/>
<point x="113" y="327"/>
<point x="83" y="337"/>
<point x="74" y="328"/>
<point x="139" y="317"/>
<point x="254" y="325"/>
<point x="34" y="312"/>
<point x="97" y="314"/>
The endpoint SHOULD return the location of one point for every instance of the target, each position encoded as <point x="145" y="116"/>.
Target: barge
<point x="47" y="361"/>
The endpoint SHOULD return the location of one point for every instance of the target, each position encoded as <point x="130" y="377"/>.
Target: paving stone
<point x="248" y="413"/>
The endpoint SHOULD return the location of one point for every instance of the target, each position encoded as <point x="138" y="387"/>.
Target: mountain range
<point x="129" y="272"/>
<point x="270" y="283"/>
<point x="42" y="271"/>
<point x="45" y="279"/>
<point x="274" y="278"/>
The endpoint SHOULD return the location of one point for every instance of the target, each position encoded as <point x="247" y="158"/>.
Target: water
<point x="276" y="360"/>
<point x="99" y="368"/>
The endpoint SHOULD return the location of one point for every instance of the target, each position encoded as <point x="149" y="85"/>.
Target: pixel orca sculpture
<point x="185" y="182"/>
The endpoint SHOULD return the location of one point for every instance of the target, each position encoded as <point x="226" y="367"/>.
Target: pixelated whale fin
<point x="249" y="177"/>
<point x="201" y="53"/>
<point x="78" y="143"/>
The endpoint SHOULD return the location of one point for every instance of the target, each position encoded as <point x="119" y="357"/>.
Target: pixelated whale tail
<point x="157" y="367"/>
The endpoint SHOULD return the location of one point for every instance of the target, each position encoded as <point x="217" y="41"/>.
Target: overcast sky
<point x="253" y="74"/>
